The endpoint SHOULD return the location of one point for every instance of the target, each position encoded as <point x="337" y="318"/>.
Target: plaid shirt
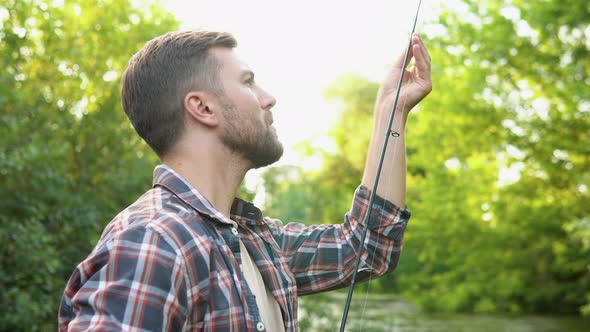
<point x="170" y="262"/>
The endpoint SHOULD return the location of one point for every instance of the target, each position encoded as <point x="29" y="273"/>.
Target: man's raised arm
<point x="417" y="84"/>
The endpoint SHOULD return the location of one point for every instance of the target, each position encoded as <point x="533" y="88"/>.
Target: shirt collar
<point x="241" y="211"/>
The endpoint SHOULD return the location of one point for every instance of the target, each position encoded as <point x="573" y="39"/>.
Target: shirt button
<point x="235" y="231"/>
<point x="260" y="326"/>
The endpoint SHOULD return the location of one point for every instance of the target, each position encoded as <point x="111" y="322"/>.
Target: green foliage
<point x="67" y="146"/>
<point x="515" y="113"/>
<point x="323" y="196"/>
<point x="498" y="161"/>
<point x="511" y="93"/>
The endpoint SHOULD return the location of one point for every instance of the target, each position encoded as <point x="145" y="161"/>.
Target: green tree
<point x="69" y="160"/>
<point x="516" y="72"/>
<point x="323" y="196"/>
<point x="498" y="162"/>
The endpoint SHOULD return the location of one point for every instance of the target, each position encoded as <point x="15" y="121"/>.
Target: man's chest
<point x="219" y="294"/>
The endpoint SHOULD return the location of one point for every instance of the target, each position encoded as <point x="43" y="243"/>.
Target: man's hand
<point x="417" y="81"/>
<point x="416" y="85"/>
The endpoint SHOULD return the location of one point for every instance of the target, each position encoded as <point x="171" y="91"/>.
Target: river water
<point x="379" y="313"/>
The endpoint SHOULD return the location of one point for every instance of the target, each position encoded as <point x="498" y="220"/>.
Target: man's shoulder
<point x="161" y="212"/>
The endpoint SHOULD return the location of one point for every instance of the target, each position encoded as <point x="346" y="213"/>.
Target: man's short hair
<point x="161" y="74"/>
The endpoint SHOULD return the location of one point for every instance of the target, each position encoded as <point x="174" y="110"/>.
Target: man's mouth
<point x="269" y="119"/>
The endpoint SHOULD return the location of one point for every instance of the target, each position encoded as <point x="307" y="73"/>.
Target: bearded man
<point x="187" y="255"/>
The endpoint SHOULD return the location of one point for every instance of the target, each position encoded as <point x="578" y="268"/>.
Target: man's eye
<point x="250" y="81"/>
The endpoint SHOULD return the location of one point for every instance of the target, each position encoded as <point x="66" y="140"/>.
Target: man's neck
<point x="216" y="176"/>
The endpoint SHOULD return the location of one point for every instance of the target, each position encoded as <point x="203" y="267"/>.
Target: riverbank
<point x="380" y="313"/>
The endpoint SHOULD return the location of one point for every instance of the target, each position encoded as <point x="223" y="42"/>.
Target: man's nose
<point x="267" y="101"/>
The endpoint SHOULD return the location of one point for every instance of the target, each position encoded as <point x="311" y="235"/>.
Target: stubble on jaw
<point x="255" y="142"/>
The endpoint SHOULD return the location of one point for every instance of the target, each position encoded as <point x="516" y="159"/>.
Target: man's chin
<point x="268" y="158"/>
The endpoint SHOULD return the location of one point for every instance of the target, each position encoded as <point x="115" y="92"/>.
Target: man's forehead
<point x="230" y="60"/>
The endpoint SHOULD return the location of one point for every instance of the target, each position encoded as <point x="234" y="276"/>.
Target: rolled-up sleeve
<point x="387" y="219"/>
<point x="322" y="257"/>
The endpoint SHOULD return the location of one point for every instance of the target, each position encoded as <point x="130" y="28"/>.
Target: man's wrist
<point x="384" y="109"/>
<point x="383" y="115"/>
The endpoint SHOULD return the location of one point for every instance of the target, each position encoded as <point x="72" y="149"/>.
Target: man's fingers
<point x="425" y="49"/>
<point x="399" y="63"/>
<point x="425" y="53"/>
<point x="421" y="63"/>
<point x="422" y="58"/>
<point x="415" y="40"/>
<point x="422" y="48"/>
<point x="407" y="76"/>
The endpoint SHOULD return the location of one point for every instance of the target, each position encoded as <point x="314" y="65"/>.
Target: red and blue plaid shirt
<point x="171" y="262"/>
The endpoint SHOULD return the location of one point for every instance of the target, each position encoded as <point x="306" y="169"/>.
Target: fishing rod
<point x="389" y="133"/>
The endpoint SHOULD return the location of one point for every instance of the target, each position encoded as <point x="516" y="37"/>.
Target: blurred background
<point x="498" y="154"/>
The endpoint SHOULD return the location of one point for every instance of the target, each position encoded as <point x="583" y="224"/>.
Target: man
<point x="187" y="255"/>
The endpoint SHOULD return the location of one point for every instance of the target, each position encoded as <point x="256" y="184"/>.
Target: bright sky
<point x="298" y="48"/>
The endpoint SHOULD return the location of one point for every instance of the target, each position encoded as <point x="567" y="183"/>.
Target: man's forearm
<point x="417" y="83"/>
<point x="392" y="181"/>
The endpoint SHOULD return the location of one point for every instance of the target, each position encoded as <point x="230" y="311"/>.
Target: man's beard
<point x="254" y="141"/>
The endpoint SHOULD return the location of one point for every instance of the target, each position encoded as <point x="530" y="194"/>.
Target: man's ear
<point x="200" y="107"/>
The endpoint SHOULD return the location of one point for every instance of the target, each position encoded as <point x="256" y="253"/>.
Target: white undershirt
<point x="270" y="312"/>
